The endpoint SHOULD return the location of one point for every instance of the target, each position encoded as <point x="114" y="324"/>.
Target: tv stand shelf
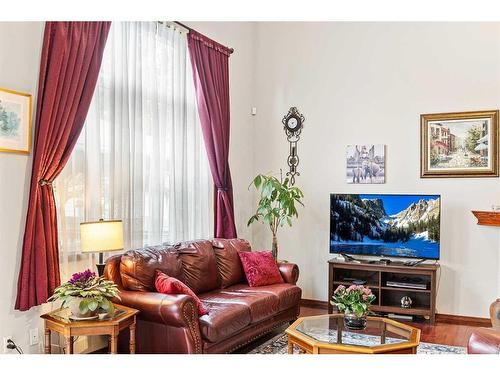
<point x="388" y="299"/>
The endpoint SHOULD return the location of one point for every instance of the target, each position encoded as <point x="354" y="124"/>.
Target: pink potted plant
<point x="354" y="302"/>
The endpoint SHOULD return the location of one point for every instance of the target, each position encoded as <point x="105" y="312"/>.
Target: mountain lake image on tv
<point x="385" y="225"/>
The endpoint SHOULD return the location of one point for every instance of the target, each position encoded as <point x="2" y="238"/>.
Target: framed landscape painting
<point x="15" y="121"/>
<point x="463" y="144"/>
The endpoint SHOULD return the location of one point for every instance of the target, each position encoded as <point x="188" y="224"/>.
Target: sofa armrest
<point x="178" y="310"/>
<point x="484" y="341"/>
<point x="289" y="272"/>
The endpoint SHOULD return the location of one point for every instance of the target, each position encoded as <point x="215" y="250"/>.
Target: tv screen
<point x="385" y="225"/>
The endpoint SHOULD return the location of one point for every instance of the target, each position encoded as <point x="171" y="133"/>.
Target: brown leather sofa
<point x="484" y="341"/>
<point x="237" y="314"/>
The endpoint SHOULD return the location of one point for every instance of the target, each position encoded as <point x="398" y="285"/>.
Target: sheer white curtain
<point x="141" y="156"/>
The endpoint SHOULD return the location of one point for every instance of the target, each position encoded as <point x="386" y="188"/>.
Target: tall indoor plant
<point x="276" y="204"/>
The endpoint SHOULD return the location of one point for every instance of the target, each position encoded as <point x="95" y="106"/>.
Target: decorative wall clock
<point x="293" y="123"/>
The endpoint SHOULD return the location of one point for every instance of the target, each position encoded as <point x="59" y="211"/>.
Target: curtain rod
<point x="231" y="50"/>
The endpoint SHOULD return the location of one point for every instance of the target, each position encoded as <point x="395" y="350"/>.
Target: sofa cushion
<point x="261" y="305"/>
<point x="484" y="341"/>
<point x="288" y="295"/>
<point x="228" y="262"/>
<point x="199" y="267"/>
<point x="223" y="320"/>
<point x="170" y="285"/>
<point x="260" y="268"/>
<point x="137" y="267"/>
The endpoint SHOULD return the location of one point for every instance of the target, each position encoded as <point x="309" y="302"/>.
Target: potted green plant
<point x="276" y="204"/>
<point x="86" y="294"/>
<point x="354" y="302"/>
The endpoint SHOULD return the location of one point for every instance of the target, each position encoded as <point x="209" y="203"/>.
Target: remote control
<point x="414" y="263"/>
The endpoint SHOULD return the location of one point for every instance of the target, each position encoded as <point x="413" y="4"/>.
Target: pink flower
<point x="352" y="288"/>
<point x="367" y="291"/>
<point x="339" y="289"/>
<point x="365" y="297"/>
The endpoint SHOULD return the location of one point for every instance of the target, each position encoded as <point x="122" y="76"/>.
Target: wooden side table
<point x="59" y="321"/>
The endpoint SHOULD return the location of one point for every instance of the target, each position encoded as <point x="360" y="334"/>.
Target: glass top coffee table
<point x="327" y="334"/>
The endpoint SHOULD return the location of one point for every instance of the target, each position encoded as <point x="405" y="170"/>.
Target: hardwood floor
<point x="439" y="333"/>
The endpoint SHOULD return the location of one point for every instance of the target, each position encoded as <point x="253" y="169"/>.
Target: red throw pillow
<point x="260" y="268"/>
<point x="170" y="285"/>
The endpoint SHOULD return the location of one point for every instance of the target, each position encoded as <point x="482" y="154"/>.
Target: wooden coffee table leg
<point x="69" y="344"/>
<point x="290" y="346"/>
<point x="114" y="343"/>
<point x="48" y="342"/>
<point x="384" y="331"/>
<point x="132" y="338"/>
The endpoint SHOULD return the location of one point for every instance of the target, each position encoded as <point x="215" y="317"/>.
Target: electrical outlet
<point x="5" y="339"/>
<point x="34" y="336"/>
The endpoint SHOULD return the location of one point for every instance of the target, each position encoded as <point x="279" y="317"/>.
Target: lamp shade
<point x="101" y="236"/>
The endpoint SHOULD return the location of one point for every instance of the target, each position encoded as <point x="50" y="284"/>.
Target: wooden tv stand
<point x="388" y="299"/>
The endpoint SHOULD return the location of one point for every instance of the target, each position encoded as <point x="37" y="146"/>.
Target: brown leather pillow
<point x="228" y="262"/>
<point x="137" y="267"/>
<point x="199" y="267"/>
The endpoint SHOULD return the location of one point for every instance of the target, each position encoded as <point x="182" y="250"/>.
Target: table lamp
<point x="100" y="237"/>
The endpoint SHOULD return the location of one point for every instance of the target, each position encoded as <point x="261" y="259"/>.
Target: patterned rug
<point x="278" y="345"/>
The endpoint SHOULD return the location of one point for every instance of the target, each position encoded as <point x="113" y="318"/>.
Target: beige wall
<point x="363" y="83"/>
<point x="19" y="64"/>
<point x="368" y="83"/>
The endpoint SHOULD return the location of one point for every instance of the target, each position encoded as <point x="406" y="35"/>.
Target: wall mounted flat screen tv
<point x="385" y="225"/>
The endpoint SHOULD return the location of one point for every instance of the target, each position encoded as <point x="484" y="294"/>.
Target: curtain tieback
<point x="222" y="189"/>
<point x="45" y="182"/>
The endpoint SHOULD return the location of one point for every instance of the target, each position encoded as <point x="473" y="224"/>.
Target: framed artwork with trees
<point x="462" y="144"/>
<point x="15" y="121"/>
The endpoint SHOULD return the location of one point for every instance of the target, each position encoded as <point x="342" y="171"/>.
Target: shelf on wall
<point x="398" y="310"/>
<point x="491" y="218"/>
<point x="348" y="283"/>
<point x="406" y="289"/>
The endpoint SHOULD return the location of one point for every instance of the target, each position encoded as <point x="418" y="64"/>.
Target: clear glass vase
<point x="352" y="321"/>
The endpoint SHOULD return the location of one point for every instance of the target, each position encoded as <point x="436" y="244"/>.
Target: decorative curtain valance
<point x="194" y="35"/>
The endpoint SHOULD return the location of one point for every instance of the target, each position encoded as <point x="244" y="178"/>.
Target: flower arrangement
<point x="85" y="293"/>
<point x="356" y="299"/>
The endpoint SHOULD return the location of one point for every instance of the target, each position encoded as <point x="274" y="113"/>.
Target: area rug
<point x="278" y="345"/>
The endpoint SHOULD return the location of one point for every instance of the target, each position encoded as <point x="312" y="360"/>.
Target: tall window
<point x="141" y="156"/>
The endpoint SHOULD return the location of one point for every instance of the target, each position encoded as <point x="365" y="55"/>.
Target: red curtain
<point x="69" y="67"/>
<point x="210" y="62"/>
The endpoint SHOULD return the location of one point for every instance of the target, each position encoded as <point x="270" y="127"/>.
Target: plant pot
<point x="352" y="321"/>
<point x="495" y="313"/>
<point x="74" y="306"/>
